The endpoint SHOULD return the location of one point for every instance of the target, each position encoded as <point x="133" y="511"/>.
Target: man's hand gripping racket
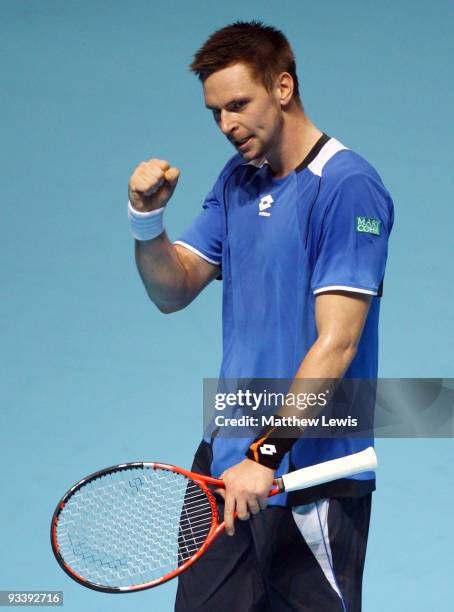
<point x="136" y="525"/>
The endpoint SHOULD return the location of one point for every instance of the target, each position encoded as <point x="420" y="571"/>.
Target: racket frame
<point x="305" y="477"/>
<point x="204" y="483"/>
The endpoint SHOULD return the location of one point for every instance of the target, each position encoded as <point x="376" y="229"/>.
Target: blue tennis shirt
<point x="280" y="242"/>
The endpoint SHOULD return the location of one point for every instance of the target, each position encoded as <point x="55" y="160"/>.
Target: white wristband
<point x="145" y="225"/>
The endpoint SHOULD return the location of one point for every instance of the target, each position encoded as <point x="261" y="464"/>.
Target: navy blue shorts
<point x="304" y="558"/>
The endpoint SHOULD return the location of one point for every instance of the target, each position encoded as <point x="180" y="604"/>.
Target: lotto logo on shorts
<point x="268" y="449"/>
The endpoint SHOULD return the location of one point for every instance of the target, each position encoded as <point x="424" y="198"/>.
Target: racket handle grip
<point x="329" y="470"/>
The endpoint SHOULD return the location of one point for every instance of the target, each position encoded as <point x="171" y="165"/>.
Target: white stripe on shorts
<point x="312" y="522"/>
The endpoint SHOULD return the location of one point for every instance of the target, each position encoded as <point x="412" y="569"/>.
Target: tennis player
<point x="297" y="224"/>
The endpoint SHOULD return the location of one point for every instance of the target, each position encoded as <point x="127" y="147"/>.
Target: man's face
<point x="248" y="114"/>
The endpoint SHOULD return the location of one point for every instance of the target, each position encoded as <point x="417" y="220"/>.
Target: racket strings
<point x="194" y="526"/>
<point x="133" y="526"/>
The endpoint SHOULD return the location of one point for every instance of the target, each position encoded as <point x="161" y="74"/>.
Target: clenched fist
<point x="152" y="184"/>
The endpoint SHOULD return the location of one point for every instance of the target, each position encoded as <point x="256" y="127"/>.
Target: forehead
<point x="228" y="83"/>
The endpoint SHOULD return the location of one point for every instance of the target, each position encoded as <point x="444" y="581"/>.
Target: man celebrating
<point x="298" y="226"/>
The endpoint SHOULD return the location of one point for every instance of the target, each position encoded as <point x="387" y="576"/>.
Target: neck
<point x="298" y="136"/>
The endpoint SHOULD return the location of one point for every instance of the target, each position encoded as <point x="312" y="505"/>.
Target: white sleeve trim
<point x="343" y="288"/>
<point x="194" y="250"/>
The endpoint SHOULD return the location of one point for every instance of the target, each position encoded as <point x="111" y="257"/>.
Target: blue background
<point x="91" y="373"/>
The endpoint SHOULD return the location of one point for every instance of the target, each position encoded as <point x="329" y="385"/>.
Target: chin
<point x="248" y="156"/>
<point x="251" y="154"/>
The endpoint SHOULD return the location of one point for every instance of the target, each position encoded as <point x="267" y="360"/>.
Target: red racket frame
<point x="215" y="529"/>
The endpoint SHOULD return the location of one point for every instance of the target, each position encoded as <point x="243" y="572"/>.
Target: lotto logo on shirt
<point x="264" y="204"/>
<point x="368" y="225"/>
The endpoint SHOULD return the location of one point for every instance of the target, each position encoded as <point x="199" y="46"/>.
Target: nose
<point x="226" y="122"/>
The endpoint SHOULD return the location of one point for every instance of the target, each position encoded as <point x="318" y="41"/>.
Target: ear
<point x="285" y="87"/>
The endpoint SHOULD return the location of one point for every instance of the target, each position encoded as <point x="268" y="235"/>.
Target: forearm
<point x="340" y="320"/>
<point x="327" y="358"/>
<point x="325" y="363"/>
<point x="163" y="273"/>
<point x="323" y="366"/>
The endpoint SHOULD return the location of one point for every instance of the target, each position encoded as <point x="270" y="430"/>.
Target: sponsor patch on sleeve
<point x="367" y="225"/>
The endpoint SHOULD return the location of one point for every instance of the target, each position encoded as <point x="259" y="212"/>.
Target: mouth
<point x="243" y="143"/>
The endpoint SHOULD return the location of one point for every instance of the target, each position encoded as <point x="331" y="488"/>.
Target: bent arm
<point x="172" y="275"/>
<point x="340" y="318"/>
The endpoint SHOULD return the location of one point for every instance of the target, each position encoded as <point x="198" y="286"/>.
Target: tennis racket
<point x="134" y="526"/>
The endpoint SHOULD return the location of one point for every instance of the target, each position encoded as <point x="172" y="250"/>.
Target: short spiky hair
<point x="263" y="48"/>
